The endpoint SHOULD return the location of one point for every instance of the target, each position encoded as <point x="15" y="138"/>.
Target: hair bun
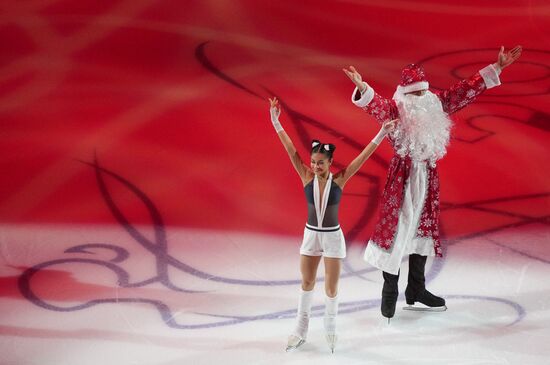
<point x="325" y="148"/>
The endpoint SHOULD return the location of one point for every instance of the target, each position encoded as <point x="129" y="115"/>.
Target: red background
<point x="172" y="95"/>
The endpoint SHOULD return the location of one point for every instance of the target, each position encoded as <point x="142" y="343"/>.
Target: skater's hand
<point x="389" y="125"/>
<point x="505" y="59"/>
<point x="355" y="77"/>
<point x="274" y="110"/>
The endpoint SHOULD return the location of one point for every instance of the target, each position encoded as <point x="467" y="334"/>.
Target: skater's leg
<point x="416" y="280"/>
<point x="416" y="286"/>
<point x="308" y="267"/>
<point x="332" y="274"/>
<point x="390" y="292"/>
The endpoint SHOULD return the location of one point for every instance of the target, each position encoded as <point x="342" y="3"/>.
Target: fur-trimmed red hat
<point x="413" y="79"/>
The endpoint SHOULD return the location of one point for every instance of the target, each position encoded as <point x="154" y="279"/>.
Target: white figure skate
<point x="294" y="342"/>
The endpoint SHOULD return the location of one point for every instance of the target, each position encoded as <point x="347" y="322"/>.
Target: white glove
<point x="379" y="137"/>
<point x="275" y="112"/>
<point x="386" y="128"/>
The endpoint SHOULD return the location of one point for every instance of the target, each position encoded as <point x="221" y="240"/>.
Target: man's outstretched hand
<point x="506" y="58"/>
<point x="355" y="77"/>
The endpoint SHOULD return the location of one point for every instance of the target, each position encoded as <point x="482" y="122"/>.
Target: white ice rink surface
<point x="210" y="297"/>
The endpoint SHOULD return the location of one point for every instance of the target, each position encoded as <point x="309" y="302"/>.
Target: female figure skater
<point x="322" y="234"/>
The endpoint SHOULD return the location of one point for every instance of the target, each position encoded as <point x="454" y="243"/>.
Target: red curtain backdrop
<point x="171" y="96"/>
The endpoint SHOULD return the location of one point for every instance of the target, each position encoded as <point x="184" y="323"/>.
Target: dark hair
<point x="324" y="148"/>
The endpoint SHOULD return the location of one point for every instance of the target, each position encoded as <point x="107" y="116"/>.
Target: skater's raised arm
<point x="303" y="170"/>
<point x="343" y="176"/>
<point x="367" y="99"/>
<point x="465" y="91"/>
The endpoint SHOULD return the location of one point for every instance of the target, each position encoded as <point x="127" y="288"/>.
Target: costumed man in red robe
<point x="409" y="216"/>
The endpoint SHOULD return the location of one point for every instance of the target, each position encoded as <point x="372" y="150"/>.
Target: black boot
<point x="389" y="294"/>
<point x="416" y="287"/>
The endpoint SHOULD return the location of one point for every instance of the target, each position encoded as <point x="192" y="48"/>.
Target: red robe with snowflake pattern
<point x="452" y="100"/>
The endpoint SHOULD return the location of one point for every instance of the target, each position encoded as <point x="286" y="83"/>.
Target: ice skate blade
<point x="294" y="342"/>
<point x="388" y="318"/>
<point x="419" y="308"/>
<point x="331" y="341"/>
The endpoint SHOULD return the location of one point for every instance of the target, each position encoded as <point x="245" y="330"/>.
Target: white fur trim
<point x="365" y="98"/>
<point x="417" y="86"/>
<point x="490" y="76"/>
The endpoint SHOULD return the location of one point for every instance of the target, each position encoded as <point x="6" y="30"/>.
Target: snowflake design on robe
<point x="452" y="100"/>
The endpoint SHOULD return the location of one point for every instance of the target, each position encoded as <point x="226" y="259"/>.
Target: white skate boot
<point x="294" y="342"/>
<point x="298" y="337"/>
<point x="331" y="310"/>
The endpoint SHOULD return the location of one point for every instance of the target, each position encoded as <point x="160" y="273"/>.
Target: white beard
<point x="423" y="130"/>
